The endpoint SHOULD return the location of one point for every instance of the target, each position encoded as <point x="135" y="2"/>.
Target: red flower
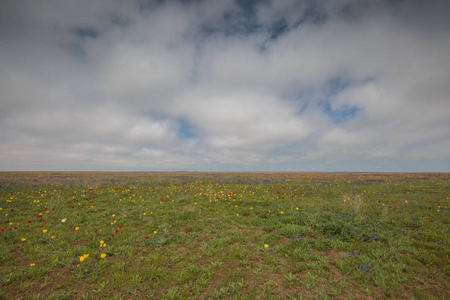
<point x="29" y="221"/>
<point x="112" y="235"/>
<point x="95" y="230"/>
<point x="120" y="226"/>
<point x="1" y="229"/>
<point x="146" y="237"/>
<point x="186" y="231"/>
<point x="116" y="230"/>
<point x="239" y="228"/>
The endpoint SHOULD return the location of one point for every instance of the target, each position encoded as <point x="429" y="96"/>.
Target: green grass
<point x="203" y="236"/>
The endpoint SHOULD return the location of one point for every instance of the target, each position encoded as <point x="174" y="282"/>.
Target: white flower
<point x="63" y="220"/>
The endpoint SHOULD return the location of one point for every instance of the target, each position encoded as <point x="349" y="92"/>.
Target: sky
<point x="225" y="85"/>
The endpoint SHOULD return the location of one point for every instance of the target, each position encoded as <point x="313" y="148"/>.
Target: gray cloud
<point x="217" y="85"/>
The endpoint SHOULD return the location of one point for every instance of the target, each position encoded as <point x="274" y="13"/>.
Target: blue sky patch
<point x="186" y="130"/>
<point x="279" y="28"/>
<point x="343" y="114"/>
<point x="86" y="32"/>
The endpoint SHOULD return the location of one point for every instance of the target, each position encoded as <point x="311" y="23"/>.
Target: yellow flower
<point x="103" y="255"/>
<point x="76" y="228"/>
<point x="24" y="239"/>
<point x="44" y="231"/>
<point x="53" y="236"/>
<point x="86" y="255"/>
<point x="32" y="265"/>
<point x="282" y="212"/>
<point x="296" y="208"/>
<point x="82" y="258"/>
<point x="154" y="232"/>
<point x="101" y="242"/>
<point x="266" y="246"/>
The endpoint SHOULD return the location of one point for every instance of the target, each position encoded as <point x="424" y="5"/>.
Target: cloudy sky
<point x="225" y="85"/>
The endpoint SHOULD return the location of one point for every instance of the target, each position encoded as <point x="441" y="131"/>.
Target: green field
<point x="224" y="236"/>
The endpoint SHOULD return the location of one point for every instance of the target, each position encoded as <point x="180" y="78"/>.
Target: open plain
<point x="187" y="235"/>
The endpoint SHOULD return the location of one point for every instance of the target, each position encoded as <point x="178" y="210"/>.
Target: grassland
<point x="224" y="236"/>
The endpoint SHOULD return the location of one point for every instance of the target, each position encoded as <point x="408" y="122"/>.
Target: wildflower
<point x="282" y="212"/>
<point x="32" y="265"/>
<point x="154" y="232"/>
<point x="296" y="208"/>
<point x="266" y="246"/>
<point x="44" y="231"/>
<point x="82" y="258"/>
<point x="186" y="231"/>
<point x="76" y="228"/>
<point x="53" y="236"/>
<point x="103" y="255"/>
<point x="63" y="220"/>
<point x="24" y="239"/>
